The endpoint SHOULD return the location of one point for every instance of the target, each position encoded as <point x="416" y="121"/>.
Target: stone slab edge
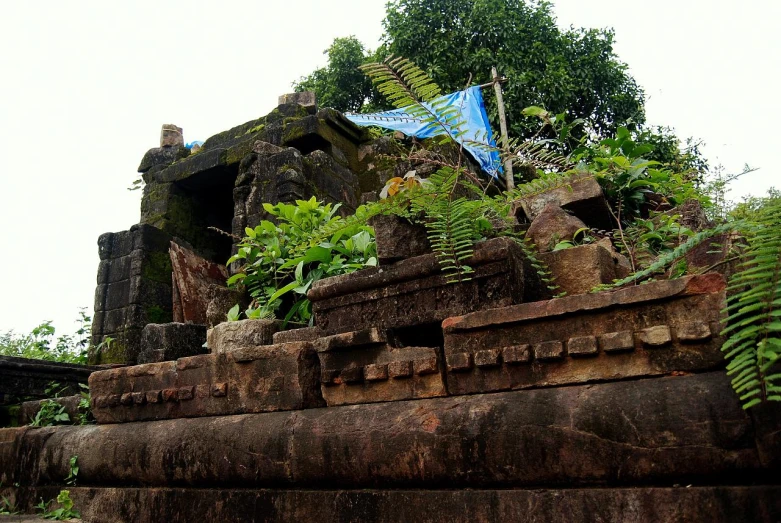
<point x="660" y="290"/>
<point x="713" y="504"/>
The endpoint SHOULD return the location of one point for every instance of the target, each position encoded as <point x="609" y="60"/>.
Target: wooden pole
<point x="508" y="165"/>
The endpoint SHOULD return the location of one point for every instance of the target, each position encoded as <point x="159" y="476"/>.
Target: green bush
<point x="280" y="262"/>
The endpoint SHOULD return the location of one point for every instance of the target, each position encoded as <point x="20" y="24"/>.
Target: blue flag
<point x="476" y="128"/>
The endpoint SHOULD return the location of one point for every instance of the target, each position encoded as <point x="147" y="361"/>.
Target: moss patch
<point x="156" y="314"/>
<point x="157" y="267"/>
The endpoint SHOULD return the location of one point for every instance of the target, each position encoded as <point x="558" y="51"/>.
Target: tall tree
<point x="575" y="70"/>
<point x="340" y="84"/>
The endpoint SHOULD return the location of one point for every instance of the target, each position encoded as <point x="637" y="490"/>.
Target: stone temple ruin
<point x="411" y="399"/>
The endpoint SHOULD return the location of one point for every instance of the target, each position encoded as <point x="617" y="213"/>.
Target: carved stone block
<point x="250" y="379"/>
<point x="362" y="367"/>
<point x="414" y="291"/>
<point x="648" y="330"/>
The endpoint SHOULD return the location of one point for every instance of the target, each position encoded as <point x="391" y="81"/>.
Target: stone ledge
<point x="711" y="504"/>
<point x="414" y="291"/>
<point x="659" y="290"/>
<point x="663" y="431"/>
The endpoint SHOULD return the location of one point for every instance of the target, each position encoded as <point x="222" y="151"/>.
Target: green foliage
<point x="280" y="261"/>
<point x="70" y="479"/>
<point x="667" y="149"/>
<point x="668" y="258"/>
<point x="574" y="71"/>
<point x="753" y="348"/>
<point x="63" y="512"/>
<point x="645" y="240"/>
<point x="41" y="343"/>
<point x="340" y="84"/>
<point x="752" y="206"/>
<point x="629" y="178"/>
<point x="52" y="412"/>
<point x="7" y="508"/>
<point x="84" y="416"/>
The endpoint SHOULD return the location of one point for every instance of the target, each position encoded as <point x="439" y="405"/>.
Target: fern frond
<point x="409" y="88"/>
<point x="540" y="156"/>
<point x="540" y="186"/>
<point x="753" y="348"/>
<point x="401" y="82"/>
<point x="666" y="260"/>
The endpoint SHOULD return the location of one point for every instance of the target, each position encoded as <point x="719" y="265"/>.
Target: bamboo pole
<point x="508" y="165"/>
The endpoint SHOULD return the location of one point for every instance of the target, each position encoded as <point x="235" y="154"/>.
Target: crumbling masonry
<point x="411" y="399"/>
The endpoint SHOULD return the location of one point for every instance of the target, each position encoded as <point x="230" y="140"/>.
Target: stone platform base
<point x="731" y="504"/>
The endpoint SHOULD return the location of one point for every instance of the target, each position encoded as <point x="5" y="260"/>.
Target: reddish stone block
<point x="548" y="350"/>
<point x="185" y="393"/>
<point x="400" y="369"/>
<point x="655" y="336"/>
<point x="461" y="361"/>
<point x="139" y="398"/>
<point x="617" y="341"/>
<point x="170" y="395"/>
<point x="376" y="372"/>
<point x="516" y="354"/>
<point x="582" y="346"/>
<point x="693" y="331"/>
<point x="220" y="390"/>
<point x="488" y="358"/>
<point x="579" y="269"/>
<point x="153" y="396"/>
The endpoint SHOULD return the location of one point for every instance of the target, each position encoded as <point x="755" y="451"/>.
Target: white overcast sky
<point x="85" y="86"/>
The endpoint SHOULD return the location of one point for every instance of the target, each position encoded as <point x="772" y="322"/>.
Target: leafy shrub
<point x="41" y="344"/>
<point x="280" y="261"/>
<point x="63" y="512"/>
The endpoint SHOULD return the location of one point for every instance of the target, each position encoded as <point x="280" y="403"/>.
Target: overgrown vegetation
<point x="63" y="512"/>
<point x="280" y="261"/>
<point x="643" y="174"/>
<point x="52" y="412"/>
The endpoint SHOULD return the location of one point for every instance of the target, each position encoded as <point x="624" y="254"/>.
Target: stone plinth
<point x="653" y="329"/>
<point x="680" y="429"/>
<point x="689" y="503"/>
<point x="250" y="379"/>
<point x="414" y="291"/>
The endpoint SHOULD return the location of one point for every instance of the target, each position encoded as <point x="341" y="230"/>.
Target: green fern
<point x="753" y="348"/>
<point x="450" y="222"/>
<point x="666" y="260"/>
<point x="539" y="155"/>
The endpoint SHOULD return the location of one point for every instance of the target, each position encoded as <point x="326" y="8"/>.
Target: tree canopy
<point x="574" y="71"/>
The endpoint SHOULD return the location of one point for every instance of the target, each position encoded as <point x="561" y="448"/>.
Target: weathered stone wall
<point x="134" y="289"/>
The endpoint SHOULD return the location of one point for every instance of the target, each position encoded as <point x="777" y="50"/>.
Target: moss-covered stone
<point x="156" y="314"/>
<point x="157" y="267"/>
